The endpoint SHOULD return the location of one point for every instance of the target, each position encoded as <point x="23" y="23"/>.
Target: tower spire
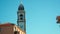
<point x="21" y="7"/>
<point x="21" y="17"/>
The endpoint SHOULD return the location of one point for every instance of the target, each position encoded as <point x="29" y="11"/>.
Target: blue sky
<point x="40" y="15"/>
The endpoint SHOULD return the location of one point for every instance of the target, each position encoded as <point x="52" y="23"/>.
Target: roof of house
<point x="6" y="24"/>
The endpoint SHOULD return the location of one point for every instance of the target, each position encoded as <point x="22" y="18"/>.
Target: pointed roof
<point x="21" y="7"/>
<point x="6" y="24"/>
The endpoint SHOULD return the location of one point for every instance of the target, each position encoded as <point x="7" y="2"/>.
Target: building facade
<point x="9" y="28"/>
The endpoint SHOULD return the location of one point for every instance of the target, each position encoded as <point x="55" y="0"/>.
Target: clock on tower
<point x="21" y="17"/>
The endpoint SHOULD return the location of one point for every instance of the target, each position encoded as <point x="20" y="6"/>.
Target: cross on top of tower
<point x="21" y="1"/>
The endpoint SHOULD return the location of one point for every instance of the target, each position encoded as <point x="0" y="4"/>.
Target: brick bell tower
<point x="21" y="17"/>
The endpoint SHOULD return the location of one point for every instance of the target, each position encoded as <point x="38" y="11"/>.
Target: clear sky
<point x="40" y="15"/>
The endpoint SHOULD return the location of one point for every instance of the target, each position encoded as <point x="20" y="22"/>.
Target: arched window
<point x="16" y="32"/>
<point x="21" y="15"/>
<point x="21" y="18"/>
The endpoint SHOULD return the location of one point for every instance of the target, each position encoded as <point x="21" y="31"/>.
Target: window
<point x="16" y="32"/>
<point x="21" y="15"/>
<point x="21" y="18"/>
<point x="0" y="29"/>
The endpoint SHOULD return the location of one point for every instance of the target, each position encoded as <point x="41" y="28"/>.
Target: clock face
<point x="21" y="25"/>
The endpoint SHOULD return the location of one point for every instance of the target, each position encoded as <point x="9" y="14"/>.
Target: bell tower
<point x="21" y="17"/>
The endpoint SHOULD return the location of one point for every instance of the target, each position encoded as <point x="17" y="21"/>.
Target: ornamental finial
<point x="21" y="1"/>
